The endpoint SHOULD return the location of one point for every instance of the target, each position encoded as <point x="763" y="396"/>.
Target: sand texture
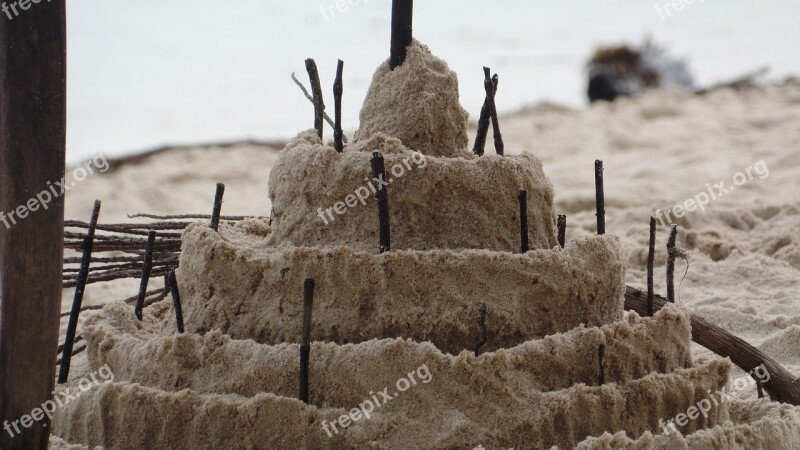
<point x="756" y="425"/>
<point x="452" y="203"/>
<point x="233" y="282"/>
<point x="417" y="103"/>
<point x="218" y="385"/>
<point x="169" y="382"/>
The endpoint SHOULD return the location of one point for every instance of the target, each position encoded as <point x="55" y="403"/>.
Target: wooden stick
<point x="484" y="119"/>
<point x="651" y="256"/>
<point x="402" y="31"/>
<point x="215" y="214"/>
<point x="489" y="87"/>
<point x="782" y="386"/>
<point x="183" y="216"/>
<point x="80" y="286"/>
<point x="381" y="194"/>
<point x="600" y="197"/>
<point x="602" y="356"/>
<point x="311" y="99"/>
<point x="32" y="142"/>
<point x="147" y="267"/>
<point x="176" y="300"/>
<point x="305" y="340"/>
<point x="562" y="230"/>
<point x="673" y="235"/>
<point x="523" y="221"/>
<point x="316" y="89"/>
<point x="482" y="324"/>
<point x="338" y="88"/>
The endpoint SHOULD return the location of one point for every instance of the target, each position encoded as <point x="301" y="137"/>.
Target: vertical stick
<point x="305" y="340"/>
<point x="562" y="230"/>
<point x="80" y="286"/>
<point x="176" y="300"/>
<point x="316" y="91"/>
<point x="338" y="88"/>
<point x="602" y="354"/>
<point x="523" y="221"/>
<point x="489" y="87"/>
<point x="402" y="31"/>
<point x="651" y="256"/>
<point x="147" y="268"/>
<point x="673" y="235"/>
<point x="600" y="197"/>
<point x="32" y="141"/>
<point x="484" y="119"/>
<point x="382" y="195"/>
<point x="217" y="206"/>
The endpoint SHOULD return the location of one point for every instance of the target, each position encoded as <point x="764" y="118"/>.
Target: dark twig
<point x="381" y="194"/>
<point x="482" y="324"/>
<point x="77" y="339"/>
<point x="147" y="268"/>
<point x="185" y="217"/>
<point x="338" y="88"/>
<point x="402" y="31"/>
<point x="311" y="99"/>
<point x="484" y="120"/>
<point x="176" y="300"/>
<point x="602" y="356"/>
<point x="305" y="340"/>
<point x="782" y="385"/>
<point x="523" y="221"/>
<point x="74" y="352"/>
<point x="759" y="389"/>
<point x="600" y="197"/>
<point x="316" y="89"/>
<point x="489" y="85"/>
<point x="69" y="339"/>
<point x="671" y="253"/>
<point x="217" y="206"/>
<point x="651" y="256"/>
<point x="562" y="230"/>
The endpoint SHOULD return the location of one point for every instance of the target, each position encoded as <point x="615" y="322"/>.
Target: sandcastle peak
<point x="418" y="103"/>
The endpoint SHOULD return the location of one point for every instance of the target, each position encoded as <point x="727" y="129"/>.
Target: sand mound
<point x="232" y="281"/>
<point x="418" y="104"/>
<point x="165" y="382"/>
<point x="322" y="198"/>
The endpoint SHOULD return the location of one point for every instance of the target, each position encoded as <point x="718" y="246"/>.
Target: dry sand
<point x="658" y="150"/>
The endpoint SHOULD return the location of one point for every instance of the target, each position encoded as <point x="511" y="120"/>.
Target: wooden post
<point x="32" y="143"/>
<point x="600" y="197"/>
<point x="402" y="31"/>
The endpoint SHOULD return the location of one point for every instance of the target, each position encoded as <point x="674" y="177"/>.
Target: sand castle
<point x="496" y="348"/>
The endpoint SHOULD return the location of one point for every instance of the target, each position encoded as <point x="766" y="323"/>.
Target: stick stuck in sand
<point x="305" y="343"/>
<point x="69" y="339"/>
<point x="147" y="268"/>
<point x="215" y="215"/>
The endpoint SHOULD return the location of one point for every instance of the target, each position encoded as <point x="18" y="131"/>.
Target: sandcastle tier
<point x="453" y="285"/>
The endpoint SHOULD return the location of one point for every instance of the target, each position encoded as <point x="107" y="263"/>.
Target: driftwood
<point x="782" y="386"/>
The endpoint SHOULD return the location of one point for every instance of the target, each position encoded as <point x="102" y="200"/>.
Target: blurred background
<point x="146" y="73"/>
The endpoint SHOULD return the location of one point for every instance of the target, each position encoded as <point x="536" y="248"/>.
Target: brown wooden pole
<point x="782" y="386"/>
<point x="32" y="143"/>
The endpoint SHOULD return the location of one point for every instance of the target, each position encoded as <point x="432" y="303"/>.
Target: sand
<point x="322" y="197"/>
<point x="659" y="150"/>
<point x="417" y="103"/>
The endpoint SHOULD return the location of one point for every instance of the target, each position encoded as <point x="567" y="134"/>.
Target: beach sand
<point x="659" y="150"/>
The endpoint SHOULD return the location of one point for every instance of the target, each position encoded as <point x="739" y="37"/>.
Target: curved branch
<point x="782" y="386"/>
